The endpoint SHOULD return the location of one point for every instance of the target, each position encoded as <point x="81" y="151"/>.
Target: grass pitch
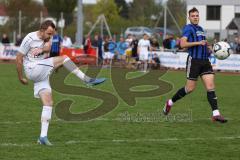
<point x="134" y="133"/>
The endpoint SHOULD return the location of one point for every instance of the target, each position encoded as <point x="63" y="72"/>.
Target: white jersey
<point x="30" y="42"/>
<point x="129" y="41"/>
<point x="143" y="46"/>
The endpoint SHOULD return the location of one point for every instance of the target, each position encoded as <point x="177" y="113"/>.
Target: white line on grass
<point x="153" y="140"/>
<point x="72" y="142"/>
<point x="108" y="119"/>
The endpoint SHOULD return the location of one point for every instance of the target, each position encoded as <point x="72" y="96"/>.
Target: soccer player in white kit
<point x="143" y="51"/>
<point x="33" y="57"/>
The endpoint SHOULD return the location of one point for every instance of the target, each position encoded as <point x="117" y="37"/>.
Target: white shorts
<point x="39" y="73"/>
<point x="108" y="55"/>
<point x="143" y="56"/>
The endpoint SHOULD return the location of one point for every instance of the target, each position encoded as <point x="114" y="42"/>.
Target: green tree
<point x="30" y="15"/>
<point x="111" y="11"/>
<point x="142" y="11"/>
<point x="123" y="8"/>
<point x="178" y="10"/>
<point x="108" y="8"/>
<point x="55" y="7"/>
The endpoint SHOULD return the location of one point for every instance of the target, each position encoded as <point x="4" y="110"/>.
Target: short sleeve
<point x="186" y="31"/>
<point x="25" y="45"/>
<point x="140" y="43"/>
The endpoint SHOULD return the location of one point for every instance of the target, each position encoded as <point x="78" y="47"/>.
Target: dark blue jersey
<point x="195" y="33"/>
<point x="56" y="42"/>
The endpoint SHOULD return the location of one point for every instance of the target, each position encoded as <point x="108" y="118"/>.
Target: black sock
<point x="180" y="94"/>
<point x="212" y="99"/>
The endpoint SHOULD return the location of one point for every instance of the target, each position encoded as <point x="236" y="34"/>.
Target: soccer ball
<point x="222" y="50"/>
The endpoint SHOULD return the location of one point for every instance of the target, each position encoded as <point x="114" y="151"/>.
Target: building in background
<point x="216" y="15"/>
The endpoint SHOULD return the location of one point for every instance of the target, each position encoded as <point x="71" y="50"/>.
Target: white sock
<point x="170" y="102"/>
<point x="216" y="112"/>
<point x="79" y="74"/>
<point x="45" y="118"/>
<point x="145" y="66"/>
<point x="69" y="65"/>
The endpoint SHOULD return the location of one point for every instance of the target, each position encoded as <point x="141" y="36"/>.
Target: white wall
<point x="228" y="13"/>
<point x="211" y="25"/>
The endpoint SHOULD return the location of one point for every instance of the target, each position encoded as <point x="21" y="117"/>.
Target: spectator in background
<point x="121" y="51"/>
<point x="167" y="42"/>
<point x="109" y="50"/>
<point x="172" y="42"/>
<point x="178" y="43"/>
<point x="237" y="50"/>
<point x="18" y="40"/>
<point x="154" y="44"/>
<point x="234" y="44"/>
<point x="67" y="42"/>
<point x="154" y="61"/>
<point x="97" y="43"/>
<point x="134" y="46"/>
<point x="5" y="39"/>
<point x="129" y="39"/>
<point x="143" y="49"/>
<point x="56" y="44"/>
<point x="87" y="44"/>
<point x="106" y="53"/>
<point x="128" y="51"/>
<point x="112" y="48"/>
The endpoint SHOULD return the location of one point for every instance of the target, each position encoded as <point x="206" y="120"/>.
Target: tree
<point x="123" y="8"/>
<point x="30" y="15"/>
<point x="142" y="11"/>
<point x="178" y="9"/>
<point x="108" y="8"/>
<point x="55" y="7"/>
<point x="111" y="12"/>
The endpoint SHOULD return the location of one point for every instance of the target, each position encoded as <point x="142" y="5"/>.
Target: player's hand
<point x="23" y="81"/>
<point x="203" y="42"/>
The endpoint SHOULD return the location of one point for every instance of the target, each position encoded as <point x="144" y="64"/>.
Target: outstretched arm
<point x="19" y="64"/>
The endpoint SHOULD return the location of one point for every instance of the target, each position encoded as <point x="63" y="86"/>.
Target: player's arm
<point x="185" y="44"/>
<point x="47" y="47"/>
<point x="19" y="64"/>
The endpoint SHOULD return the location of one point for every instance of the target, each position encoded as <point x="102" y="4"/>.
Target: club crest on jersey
<point x="200" y="33"/>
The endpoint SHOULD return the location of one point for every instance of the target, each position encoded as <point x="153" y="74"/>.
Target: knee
<point x="46" y="98"/>
<point x="48" y="102"/>
<point x="65" y="56"/>
<point x="210" y="87"/>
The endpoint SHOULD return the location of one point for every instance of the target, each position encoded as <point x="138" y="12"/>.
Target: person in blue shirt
<point x="194" y="39"/>
<point x="56" y="44"/>
<point x="121" y="51"/>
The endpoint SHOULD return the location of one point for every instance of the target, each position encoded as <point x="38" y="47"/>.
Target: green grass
<point x="111" y="137"/>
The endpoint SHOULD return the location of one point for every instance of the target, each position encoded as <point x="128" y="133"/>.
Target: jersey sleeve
<point x="186" y="31"/>
<point x="140" y="43"/>
<point x="25" y="45"/>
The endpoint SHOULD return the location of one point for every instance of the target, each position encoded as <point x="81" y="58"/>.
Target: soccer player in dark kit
<point x="198" y="64"/>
